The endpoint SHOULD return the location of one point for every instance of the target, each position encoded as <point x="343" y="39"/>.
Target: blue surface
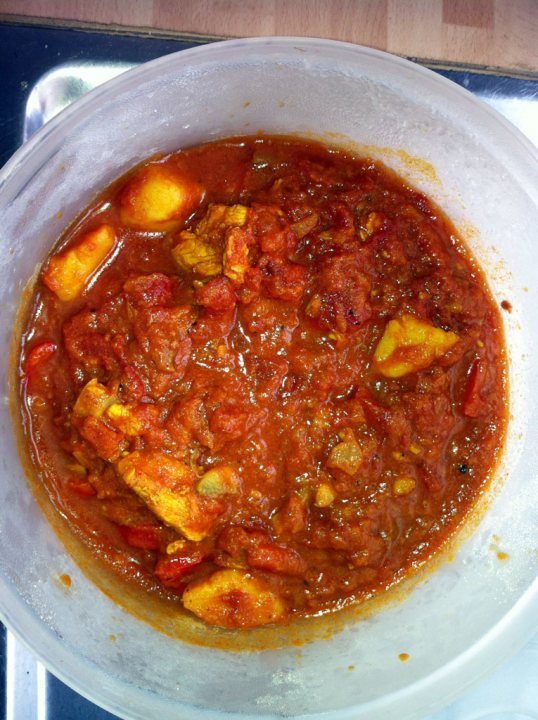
<point x="65" y="704"/>
<point x="2" y="672"/>
<point x="28" y="51"/>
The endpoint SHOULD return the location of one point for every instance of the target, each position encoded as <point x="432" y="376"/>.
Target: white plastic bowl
<point x="464" y="618"/>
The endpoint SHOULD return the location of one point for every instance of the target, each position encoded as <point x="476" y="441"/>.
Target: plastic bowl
<point x="462" y="619"/>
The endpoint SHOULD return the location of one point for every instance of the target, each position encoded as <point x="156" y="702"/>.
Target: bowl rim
<point x="294" y="42"/>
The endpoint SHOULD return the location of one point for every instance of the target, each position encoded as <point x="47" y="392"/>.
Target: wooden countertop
<point x="497" y="33"/>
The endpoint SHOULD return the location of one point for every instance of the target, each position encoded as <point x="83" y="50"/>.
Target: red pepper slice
<point x="82" y="487"/>
<point x="145" y="537"/>
<point x="170" y="570"/>
<point x="38" y="355"/>
<point x="472" y="402"/>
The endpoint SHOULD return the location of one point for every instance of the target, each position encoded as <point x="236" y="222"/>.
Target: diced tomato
<point x="170" y="570"/>
<point x="86" y="348"/>
<point x="211" y="326"/>
<point x="161" y="334"/>
<point x="133" y="387"/>
<point x="146" y="537"/>
<point x="472" y="402"/>
<point x="277" y="559"/>
<point x="118" y="343"/>
<point x="283" y="280"/>
<point x="150" y="290"/>
<point x="228" y="419"/>
<point x="272" y="230"/>
<point x="251" y="288"/>
<point x="268" y="375"/>
<point x="292" y="516"/>
<point x="234" y="538"/>
<point x="217" y="295"/>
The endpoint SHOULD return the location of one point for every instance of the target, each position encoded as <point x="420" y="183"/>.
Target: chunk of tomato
<point x="276" y="559"/>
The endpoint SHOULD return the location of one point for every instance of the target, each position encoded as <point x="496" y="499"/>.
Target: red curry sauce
<point x="264" y="377"/>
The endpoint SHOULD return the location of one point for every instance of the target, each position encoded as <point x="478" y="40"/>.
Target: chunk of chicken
<point x="98" y="401"/>
<point x="123" y="418"/>
<point x="409" y="344"/>
<point x="234" y="598"/>
<point x="94" y="399"/>
<point x="107" y="442"/>
<point x="219" y="217"/>
<point x="192" y="253"/>
<point x="158" y="199"/>
<point x="200" y="249"/>
<point x="68" y="273"/>
<point x="235" y="259"/>
<point x="166" y="485"/>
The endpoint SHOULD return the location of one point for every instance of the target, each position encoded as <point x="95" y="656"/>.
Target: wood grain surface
<point x="498" y="33"/>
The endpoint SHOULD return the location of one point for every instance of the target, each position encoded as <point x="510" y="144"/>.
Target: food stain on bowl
<point x="65" y="580"/>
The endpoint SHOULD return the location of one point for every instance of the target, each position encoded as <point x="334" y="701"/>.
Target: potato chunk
<point x="158" y="199"/>
<point x="232" y="599"/>
<point x="403" y="485"/>
<point x="325" y="496"/>
<point x="409" y="344"/>
<point x="68" y="272"/>
<point x="166" y="485"/>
